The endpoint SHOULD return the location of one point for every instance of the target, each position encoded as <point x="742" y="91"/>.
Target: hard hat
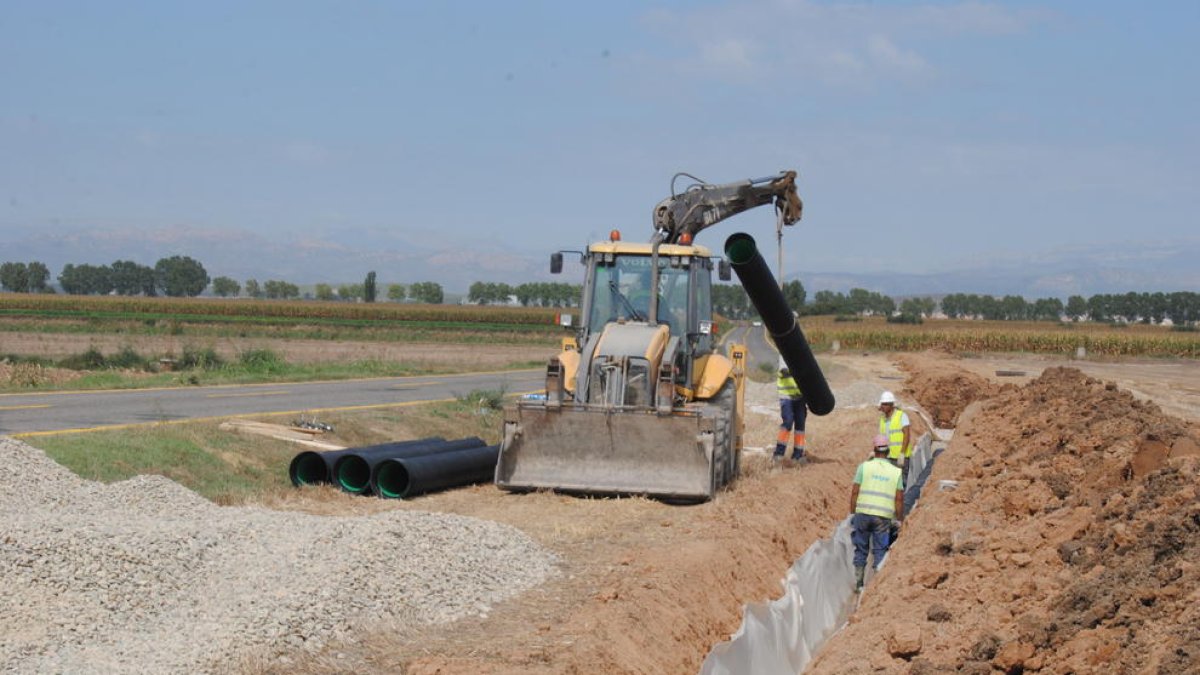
<point x="887" y="397"/>
<point x="880" y="443"/>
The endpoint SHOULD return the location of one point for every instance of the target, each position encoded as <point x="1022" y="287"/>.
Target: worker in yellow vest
<point x="876" y="500"/>
<point x="793" y="414"/>
<point x="894" y="425"/>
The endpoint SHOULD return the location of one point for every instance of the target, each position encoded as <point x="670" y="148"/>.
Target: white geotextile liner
<point x="783" y="635"/>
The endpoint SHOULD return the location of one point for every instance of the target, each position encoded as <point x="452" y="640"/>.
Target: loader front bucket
<point x="607" y="452"/>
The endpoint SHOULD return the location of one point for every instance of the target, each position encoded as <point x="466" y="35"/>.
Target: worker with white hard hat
<point x="876" y="508"/>
<point x="894" y="425"/>
<point x="792" y="413"/>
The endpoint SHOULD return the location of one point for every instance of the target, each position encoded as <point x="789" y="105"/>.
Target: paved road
<point x="761" y="351"/>
<point x="56" y="412"/>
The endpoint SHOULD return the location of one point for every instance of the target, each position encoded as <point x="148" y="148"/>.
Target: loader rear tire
<point x="725" y="455"/>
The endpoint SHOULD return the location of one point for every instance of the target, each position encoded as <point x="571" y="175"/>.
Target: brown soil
<point x="1068" y="546"/>
<point x="943" y="389"/>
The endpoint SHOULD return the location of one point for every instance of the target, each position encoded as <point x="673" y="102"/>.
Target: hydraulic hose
<point x="352" y="471"/>
<point x="781" y="323"/>
<point x="411" y="476"/>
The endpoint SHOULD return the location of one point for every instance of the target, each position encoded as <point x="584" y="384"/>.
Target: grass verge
<point x="197" y="366"/>
<point x="230" y="468"/>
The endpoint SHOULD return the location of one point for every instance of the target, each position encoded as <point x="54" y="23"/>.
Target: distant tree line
<point x="731" y="301"/>
<point x="18" y="277"/>
<point x="528" y="294"/>
<point x="181" y="276"/>
<point x="177" y="276"/>
<point x="1182" y="308"/>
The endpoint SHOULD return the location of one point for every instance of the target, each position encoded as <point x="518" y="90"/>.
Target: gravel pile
<point x="146" y="576"/>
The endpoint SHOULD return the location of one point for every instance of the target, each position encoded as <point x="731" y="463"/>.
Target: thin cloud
<point x="728" y="55"/>
<point x="840" y="44"/>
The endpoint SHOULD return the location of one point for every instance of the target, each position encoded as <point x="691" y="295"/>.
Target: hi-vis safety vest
<point x="877" y="492"/>
<point x="892" y="429"/>
<point x="787" y="387"/>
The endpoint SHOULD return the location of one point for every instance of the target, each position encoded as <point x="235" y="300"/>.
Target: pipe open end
<point x="391" y="480"/>
<point x="740" y="248"/>
<point x="353" y="474"/>
<point x="308" y="468"/>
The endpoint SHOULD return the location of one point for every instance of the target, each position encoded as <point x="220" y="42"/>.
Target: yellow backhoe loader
<point x="642" y="400"/>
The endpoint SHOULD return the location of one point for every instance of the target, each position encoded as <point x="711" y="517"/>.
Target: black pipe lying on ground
<point x="412" y="476"/>
<point x="764" y="292"/>
<point x="352" y="472"/>
<point x="314" y="468"/>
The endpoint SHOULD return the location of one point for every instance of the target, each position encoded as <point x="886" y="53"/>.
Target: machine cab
<point x="617" y="289"/>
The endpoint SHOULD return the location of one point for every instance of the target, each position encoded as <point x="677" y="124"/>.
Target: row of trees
<point x="180" y="276"/>
<point x="857" y="301"/>
<point x="730" y="300"/>
<point x="25" y="278"/>
<point x="1180" y="307"/>
<point x="531" y="294"/>
<point x="176" y="276"/>
<point x="1007" y="308"/>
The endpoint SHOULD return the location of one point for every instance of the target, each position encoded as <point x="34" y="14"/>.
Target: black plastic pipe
<point x="313" y="468"/>
<point x="412" y="476"/>
<point x="781" y="323"/>
<point x="352" y="472"/>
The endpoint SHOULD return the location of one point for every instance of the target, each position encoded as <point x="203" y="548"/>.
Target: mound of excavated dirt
<point x="944" y="391"/>
<point x="1071" y="544"/>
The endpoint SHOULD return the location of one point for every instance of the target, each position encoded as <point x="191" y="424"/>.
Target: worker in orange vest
<point x="793" y="414"/>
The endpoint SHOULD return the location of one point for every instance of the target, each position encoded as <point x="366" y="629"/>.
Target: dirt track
<point x="649" y="588"/>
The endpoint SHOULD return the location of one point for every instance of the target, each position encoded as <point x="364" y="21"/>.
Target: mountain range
<point x="1169" y="266"/>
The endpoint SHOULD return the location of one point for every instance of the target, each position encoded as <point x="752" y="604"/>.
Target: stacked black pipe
<point x="314" y="468"/>
<point x="401" y="469"/>
<point x="352" y="472"/>
<point x="403" y="477"/>
<point x="764" y="292"/>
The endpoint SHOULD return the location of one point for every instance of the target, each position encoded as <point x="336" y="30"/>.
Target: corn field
<point x="1003" y="336"/>
<point x="76" y="306"/>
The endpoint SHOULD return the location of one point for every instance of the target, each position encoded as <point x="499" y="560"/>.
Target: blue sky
<point x="929" y="136"/>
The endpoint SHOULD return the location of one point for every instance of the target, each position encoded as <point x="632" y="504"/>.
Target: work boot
<point x="859" y="573"/>
<point x="798" y="456"/>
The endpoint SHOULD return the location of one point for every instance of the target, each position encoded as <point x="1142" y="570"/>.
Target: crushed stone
<point x="144" y="575"/>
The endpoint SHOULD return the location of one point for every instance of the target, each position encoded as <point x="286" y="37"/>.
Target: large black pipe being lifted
<point x="352" y="471"/>
<point x="412" y="476"/>
<point x="781" y="323"/>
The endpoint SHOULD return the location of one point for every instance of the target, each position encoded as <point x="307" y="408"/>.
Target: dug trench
<point x="1067" y="546"/>
<point x="1069" y="543"/>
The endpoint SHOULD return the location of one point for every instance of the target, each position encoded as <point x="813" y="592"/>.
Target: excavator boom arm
<point x="703" y="205"/>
